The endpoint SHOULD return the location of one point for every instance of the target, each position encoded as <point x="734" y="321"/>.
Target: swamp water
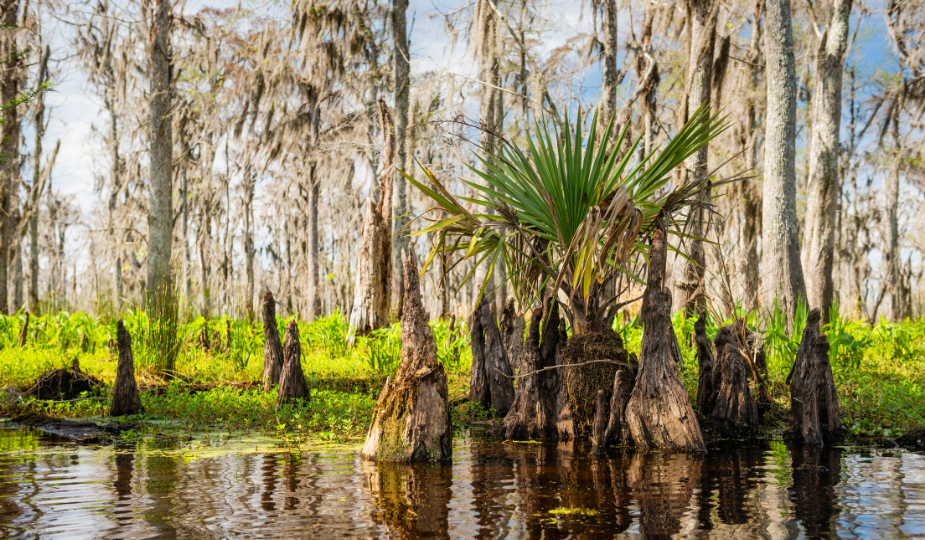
<point x="53" y="488"/>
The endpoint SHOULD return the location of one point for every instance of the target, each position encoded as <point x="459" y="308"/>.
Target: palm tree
<point x="567" y="213"/>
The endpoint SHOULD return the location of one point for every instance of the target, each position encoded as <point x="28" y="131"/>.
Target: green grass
<point x="879" y="370"/>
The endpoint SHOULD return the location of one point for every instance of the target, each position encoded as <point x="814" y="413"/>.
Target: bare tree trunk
<point x="824" y="184"/>
<point x="9" y="142"/>
<point x="689" y="294"/>
<point x="160" y="210"/>
<point x="314" y="246"/>
<point x="611" y="74"/>
<point x="891" y="255"/>
<point x="412" y="420"/>
<point x="38" y="121"/>
<point x="187" y="260"/>
<point x="489" y="75"/>
<point x="400" y="204"/>
<point x="249" y="186"/>
<point x="782" y="274"/>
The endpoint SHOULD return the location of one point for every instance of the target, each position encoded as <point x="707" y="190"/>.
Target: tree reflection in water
<point x="816" y="472"/>
<point x="412" y="501"/>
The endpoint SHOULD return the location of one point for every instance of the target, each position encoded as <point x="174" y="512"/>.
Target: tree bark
<point x="599" y="426"/>
<point x="610" y="73"/>
<point x="160" y="209"/>
<point x="814" y="408"/>
<point x="616" y="428"/>
<point x="372" y="292"/>
<point x="400" y="204"/>
<point x="533" y="413"/>
<point x="734" y="403"/>
<point x="512" y="333"/>
<point x="125" y="398"/>
<point x="824" y="184"/>
<point x="412" y="420"/>
<point x="497" y="366"/>
<point x="292" y="386"/>
<point x="706" y="392"/>
<point x="479" y="386"/>
<point x="689" y="294"/>
<point x="273" y="360"/>
<point x="249" y="187"/>
<point x="9" y="142"/>
<point x="781" y="270"/>
<point x="659" y="412"/>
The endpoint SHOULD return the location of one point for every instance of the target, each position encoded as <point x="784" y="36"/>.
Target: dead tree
<point x="512" y="333"/>
<point x="412" y="420"/>
<point x="622" y="389"/>
<point x="706" y="395"/>
<point x="533" y="414"/>
<point x="734" y="403"/>
<point x="272" y="348"/>
<point x="125" y="398"/>
<point x="292" y="386"/>
<point x="659" y="412"/>
<point x="814" y="409"/>
<point x="490" y="378"/>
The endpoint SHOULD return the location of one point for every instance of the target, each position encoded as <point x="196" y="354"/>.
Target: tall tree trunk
<point x="689" y="294"/>
<point x="314" y="254"/>
<point x="249" y="186"/>
<point x="611" y="74"/>
<point x="749" y="195"/>
<point x="781" y="271"/>
<point x="490" y="77"/>
<point x="824" y="184"/>
<point x="114" y="188"/>
<point x="160" y="210"/>
<point x="400" y="204"/>
<point x="187" y="259"/>
<point x="891" y="255"/>
<point x="9" y="142"/>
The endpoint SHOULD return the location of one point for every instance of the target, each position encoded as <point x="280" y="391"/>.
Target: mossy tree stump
<point x="292" y="386"/>
<point x="125" y="398"/>
<point x="272" y="348"/>
<point x="412" y="419"/>
<point x="659" y="413"/>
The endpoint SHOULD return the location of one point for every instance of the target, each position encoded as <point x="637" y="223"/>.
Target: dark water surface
<point x="50" y="488"/>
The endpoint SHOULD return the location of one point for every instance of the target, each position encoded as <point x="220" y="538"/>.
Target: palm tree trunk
<point x="824" y="184"/>
<point x="782" y="274"/>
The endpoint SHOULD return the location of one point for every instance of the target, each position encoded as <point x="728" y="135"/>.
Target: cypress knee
<point x="734" y="403"/>
<point x="599" y="427"/>
<point x="659" y="413"/>
<point x="125" y="398"/>
<point x="497" y="366"/>
<point x="292" y="385"/>
<point x="814" y="408"/>
<point x="412" y="418"/>
<point x="512" y="333"/>
<point x="272" y="349"/>
<point x="479" y="387"/>
<point x="622" y="389"/>
<point x="706" y="394"/>
<point x="533" y="414"/>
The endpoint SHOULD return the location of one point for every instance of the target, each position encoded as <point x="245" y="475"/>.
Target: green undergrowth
<point x="879" y="370"/>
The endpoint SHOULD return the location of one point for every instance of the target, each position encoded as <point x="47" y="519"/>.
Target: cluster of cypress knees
<point x="645" y="405"/>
